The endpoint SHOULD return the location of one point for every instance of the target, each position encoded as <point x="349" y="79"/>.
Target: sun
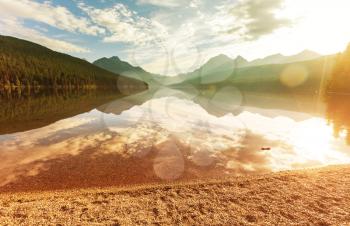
<point x="319" y="25"/>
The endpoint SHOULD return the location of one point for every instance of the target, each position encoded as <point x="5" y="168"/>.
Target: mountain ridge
<point x="221" y="66"/>
<point x="278" y="58"/>
<point x="218" y="63"/>
<point x="25" y="64"/>
<point x="116" y="65"/>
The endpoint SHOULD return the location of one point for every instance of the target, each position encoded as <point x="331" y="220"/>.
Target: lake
<point x="60" y="140"/>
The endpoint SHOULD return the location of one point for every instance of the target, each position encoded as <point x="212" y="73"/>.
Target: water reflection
<point x="25" y="110"/>
<point x="338" y="113"/>
<point x="166" y="135"/>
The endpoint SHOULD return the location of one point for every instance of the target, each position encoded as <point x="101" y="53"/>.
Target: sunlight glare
<point x="319" y="25"/>
<point x="312" y="140"/>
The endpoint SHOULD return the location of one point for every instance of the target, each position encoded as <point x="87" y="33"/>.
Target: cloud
<point x="56" y="16"/>
<point x="174" y="37"/>
<point x="12" y="27"/>
<point x="182" y="47"/>
<point x="157" y="42"/>
<point x="256" y="18"/>
<point x="178" y="134"/>
<point x="170" y="3"/>
<point x="123" y="25"/>
<point x="166" y="3"/>
<point x="14" y="13"/>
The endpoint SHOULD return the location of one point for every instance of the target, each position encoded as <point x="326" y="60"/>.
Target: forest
<point x="24" y="64"/>
<point x="337" y="95"/>
<point x="340" y="79"/>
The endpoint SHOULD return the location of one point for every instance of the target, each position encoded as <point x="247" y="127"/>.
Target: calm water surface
<point x="62" y="140"/>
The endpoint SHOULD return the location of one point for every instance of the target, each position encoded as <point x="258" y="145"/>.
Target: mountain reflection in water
<point x="167" y="135"/>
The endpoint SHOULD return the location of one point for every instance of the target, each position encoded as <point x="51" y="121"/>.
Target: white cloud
<point x="179" y="36"/>
<point x="56" y="16"/>
<point x="255" y="18"/>
<point x="186" y="45"/>
<point x="12" y="27"/>
<point x="170" y="3"/>
<point x="173" y="122"/>
<point x="166" y="3"/>
<point x="250" y="28"/>
<point x="123" y="25"/>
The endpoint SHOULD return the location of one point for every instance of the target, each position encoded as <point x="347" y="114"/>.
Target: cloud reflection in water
<point x="163" y="139"/>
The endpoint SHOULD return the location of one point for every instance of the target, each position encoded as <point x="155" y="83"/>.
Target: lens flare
<point x="294" y="75"/>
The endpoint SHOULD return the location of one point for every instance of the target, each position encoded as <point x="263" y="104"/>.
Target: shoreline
<point x="174" y="183"/>
<point x="318" y="196"/>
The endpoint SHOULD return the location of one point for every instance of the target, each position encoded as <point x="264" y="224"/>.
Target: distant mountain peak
<point x="277" y="55"/>
<point x="308" y="52"/>
<point x="116" y="65"/>
<point x="221" y="57"/>
<point x="219" y="60"/>
<point x="239" y="58"/>
<point x="116" y="58"/>
<point x="282" y="59"/>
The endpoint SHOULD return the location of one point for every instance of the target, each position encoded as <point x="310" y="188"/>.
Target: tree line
<point x="338" y="95"/>
<point x="340" y="79"/>
<point x="28" y="65"/>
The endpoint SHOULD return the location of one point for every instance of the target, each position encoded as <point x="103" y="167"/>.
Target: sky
<point x="171" y="37"/>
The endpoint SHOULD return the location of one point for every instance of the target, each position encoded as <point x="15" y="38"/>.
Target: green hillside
<point x="29" y="65"/>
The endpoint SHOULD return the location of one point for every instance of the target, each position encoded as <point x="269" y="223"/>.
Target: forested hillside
<point x="337" y="96"/>
<point x="29" y="65"/>
<point x="340" y="80"/>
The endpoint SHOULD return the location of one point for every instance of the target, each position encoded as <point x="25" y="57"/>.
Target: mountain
<point x="280" y="59"/>
<point x="240" y="61"/>
<point x="116" y="65"/>
<point x="222" y="67"/>
<point x="25" y="64"/>
<point x="216" y="68"/>
<point x="302" y="77"/>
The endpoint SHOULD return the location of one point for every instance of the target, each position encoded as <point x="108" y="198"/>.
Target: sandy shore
<point x="306" y="197"/>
